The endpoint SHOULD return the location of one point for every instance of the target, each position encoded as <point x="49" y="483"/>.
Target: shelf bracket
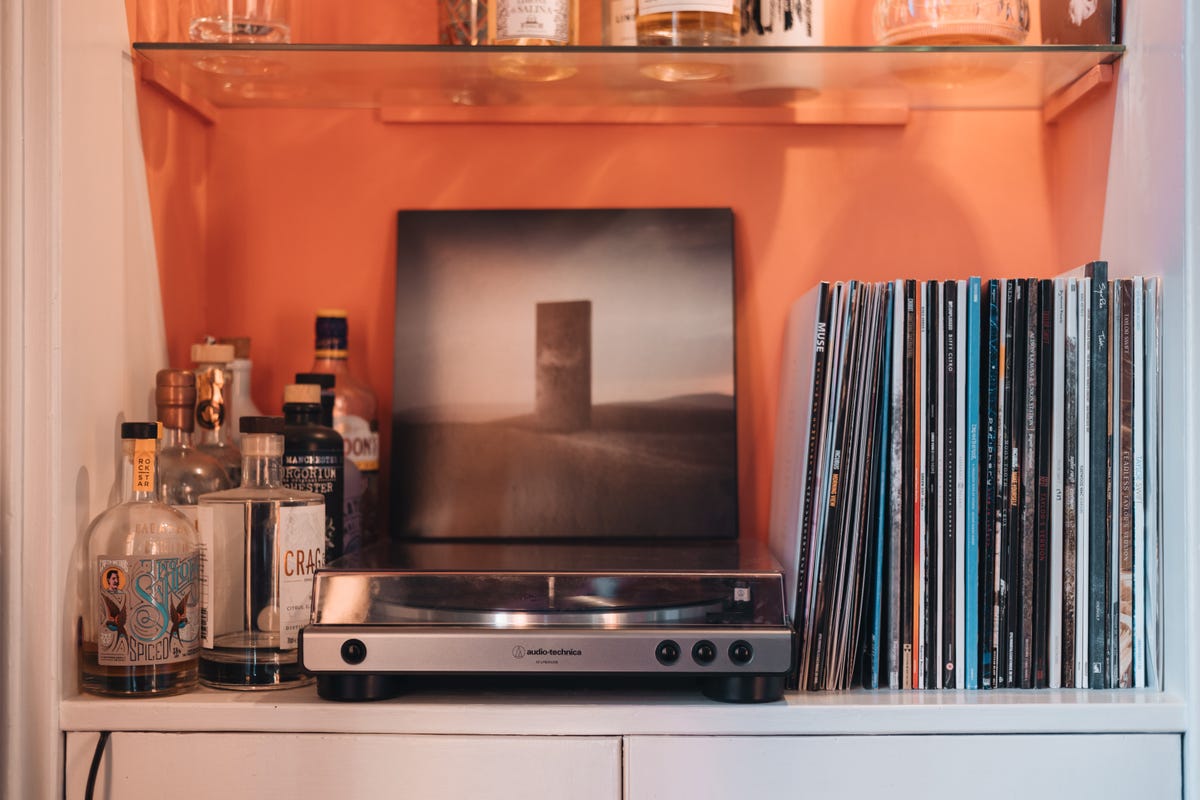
<point x="1091" y="81"/>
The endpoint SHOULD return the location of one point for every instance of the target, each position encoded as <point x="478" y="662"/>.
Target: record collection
<point x="967" y="483"/>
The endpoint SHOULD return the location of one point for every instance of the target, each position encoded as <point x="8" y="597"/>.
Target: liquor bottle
<point x="353" y="484"/>
<point x="214" y="388"/>
<point x="688" y="23"/>
<point x="532" y="26"/>
<point x="264" y="543"/>
<point x="184" y="472"/>
<point x="554" y="22"/>
<point x="141" y="599"/>
<point x="313" y="455"/>
<point x="354" y="412"/>
<point x="241" y="404"/>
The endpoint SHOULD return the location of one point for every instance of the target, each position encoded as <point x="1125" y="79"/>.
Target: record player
<point x="712" y="613"/>
<point x="563" y="493"/>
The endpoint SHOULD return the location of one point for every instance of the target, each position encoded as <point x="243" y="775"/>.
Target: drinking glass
<point x="951" y="22"/>
<point x="240" y="21"/>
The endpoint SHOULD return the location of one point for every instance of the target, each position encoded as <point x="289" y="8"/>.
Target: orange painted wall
<point x="270" y="214"/>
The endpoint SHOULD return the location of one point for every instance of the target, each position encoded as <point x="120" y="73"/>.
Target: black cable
<point x="91" y="781"/>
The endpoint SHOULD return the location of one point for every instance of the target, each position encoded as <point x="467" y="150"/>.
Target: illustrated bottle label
<point x="148" y="608"/>
<point x="321" y="473"/>
<point x="213" y="388"/>
<point x="361" y="443"/>
<point x="668" y="6"/>
<point x="302" y="551"/>
<point x="533" y="19"/>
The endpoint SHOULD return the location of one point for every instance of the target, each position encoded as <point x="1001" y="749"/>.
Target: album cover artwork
<point x="564" y="374"/>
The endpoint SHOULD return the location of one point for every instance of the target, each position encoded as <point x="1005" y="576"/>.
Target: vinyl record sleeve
<point x="1098" y="474"/>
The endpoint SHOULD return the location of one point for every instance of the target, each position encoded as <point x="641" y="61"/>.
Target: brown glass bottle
<point x="355" y="412"/>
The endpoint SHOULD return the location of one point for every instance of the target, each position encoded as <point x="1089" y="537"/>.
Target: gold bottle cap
<point x="332" y="313"/>
<point x="212" y="353"/>
<point x="175" y="398"/>
<point x="302" y="393"/>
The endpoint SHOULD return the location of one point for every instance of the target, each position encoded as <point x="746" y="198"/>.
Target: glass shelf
<point x="866" y="85"/>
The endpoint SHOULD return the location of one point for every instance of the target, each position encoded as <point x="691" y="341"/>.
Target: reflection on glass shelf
<point x="785" y="85"/>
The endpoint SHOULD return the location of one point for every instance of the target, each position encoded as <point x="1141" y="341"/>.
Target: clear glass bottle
<point x="141" y="601"/>
<point x="353" y="484"/>
<point x="214" y="422"/>
<point x="951" y="22"/>
<point x="184" y="472"/>
<point x="265" y="542"/>
<point x="241" y="404"/>
<point x="355" y="413"/>
<point x="553" y="23"/>
<point x="688" y="23"/>
<point x="313" y="457"/>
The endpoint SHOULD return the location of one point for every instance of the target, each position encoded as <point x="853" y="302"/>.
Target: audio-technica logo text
<point x="521" y="652"/>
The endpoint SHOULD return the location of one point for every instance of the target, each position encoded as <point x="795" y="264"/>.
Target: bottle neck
<point x="302" y="414"/>
<point x="139" y="474"/>
<point x="175" y="437"/>
<point x="214" y="386"/>
<point x="262" y="461"/>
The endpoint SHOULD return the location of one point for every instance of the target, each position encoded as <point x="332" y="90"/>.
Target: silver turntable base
<point x="712" y="611"/>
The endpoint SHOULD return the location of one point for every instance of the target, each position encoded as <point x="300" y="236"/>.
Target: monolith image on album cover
<point x="564" y="373"/>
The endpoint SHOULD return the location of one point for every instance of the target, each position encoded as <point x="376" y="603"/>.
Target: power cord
<point x="99" y="754"/>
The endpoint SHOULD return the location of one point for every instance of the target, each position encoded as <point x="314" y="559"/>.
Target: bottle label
<point x="321" y="473"/>
<point x="144" y="451"/>
<point x="213" y="387"/>
<point x="148" y="609"/>
<point x="620" y="23"/>
<point x="362" y="443"/>
<point x="533" y="19"/>
<point x="646" y="7"/>
<point x="301" y="552"/>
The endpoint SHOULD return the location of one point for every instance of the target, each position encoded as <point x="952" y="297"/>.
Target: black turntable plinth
<point x="708" y="611"/>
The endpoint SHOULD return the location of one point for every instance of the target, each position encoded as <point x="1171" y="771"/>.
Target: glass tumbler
<point x="951" y="22"/>
<point x="240" y="21"/>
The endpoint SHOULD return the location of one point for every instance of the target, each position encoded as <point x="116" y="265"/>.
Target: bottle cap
<point x="139" y="430"/>
<point x="241" y="345"/>
<point x="308" y="393"/>
<point x="322" y="379"/>
<point x="332" y="333"/>
<point x="212" y="353"/>
<point x="175" y="398"/>
<point x="261" y="425"/>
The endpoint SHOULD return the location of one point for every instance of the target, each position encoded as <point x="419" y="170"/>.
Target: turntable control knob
<point x="741" y="652"/>
<point x="667" y="652"/>
<point x="354" y="651"/>
<point x="705" y="652"/>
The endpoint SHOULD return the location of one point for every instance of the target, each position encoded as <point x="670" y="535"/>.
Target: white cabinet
<point x="929" y="767"/>
<point x="297" y="765"/>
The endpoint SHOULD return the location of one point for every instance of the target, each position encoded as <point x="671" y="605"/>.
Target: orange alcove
<point x="268" y="214"/>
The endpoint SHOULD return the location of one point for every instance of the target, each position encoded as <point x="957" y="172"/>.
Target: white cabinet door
<point x="345" y="766"/>
<point x="926" y="767"/>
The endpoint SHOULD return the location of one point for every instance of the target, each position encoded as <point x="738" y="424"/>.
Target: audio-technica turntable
<point x="710" y="612"/>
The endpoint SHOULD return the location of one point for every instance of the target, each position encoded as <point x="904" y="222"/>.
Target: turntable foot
<point x="358" y="687"/>
<point x="744" y="688"/>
